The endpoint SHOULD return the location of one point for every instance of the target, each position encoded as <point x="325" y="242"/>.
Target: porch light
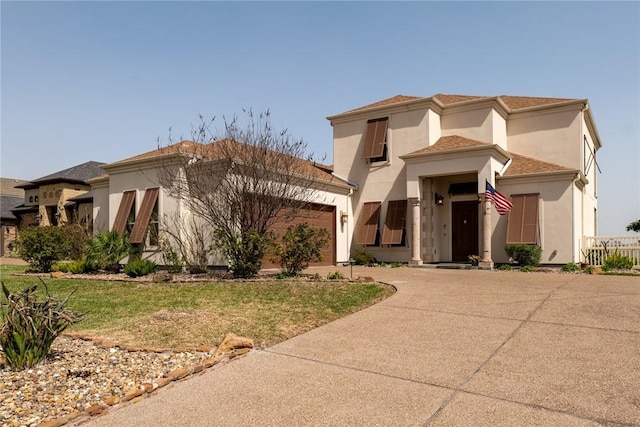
<point x="439" y="199"/>
<point x="38" y="217"/>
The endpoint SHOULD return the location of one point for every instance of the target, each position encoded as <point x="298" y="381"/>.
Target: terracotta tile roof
<point x="219" y="150"/>
<point x="454" y="99"/>
<point x="513" y="102"/>
<point x="393" y="100"/>
<point x="452" y="142"/>
<point x="521" y="165"/>
<point x="518" y="102"/>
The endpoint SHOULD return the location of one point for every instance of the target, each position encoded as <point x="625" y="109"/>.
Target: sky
<point x="105" y="81"/>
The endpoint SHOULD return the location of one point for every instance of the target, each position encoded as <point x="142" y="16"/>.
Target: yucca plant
<point x="105" y="250"/>
<point x="29" y="326"/>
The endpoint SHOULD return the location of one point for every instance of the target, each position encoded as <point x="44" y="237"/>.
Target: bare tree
<point x="241" y="183"/>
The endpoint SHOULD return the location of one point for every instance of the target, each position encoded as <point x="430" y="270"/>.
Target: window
<point x="522" y="226"/>
<point x="368" y="229"/>
<point x="147" y="221"/>
<point x="126" y="212"/>
<point x="394" y="231"/>
<point x="375" y="140"/>
<point x="30" y="199"/>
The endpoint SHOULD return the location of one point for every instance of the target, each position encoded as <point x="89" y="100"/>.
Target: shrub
<point x="336" y="275"/>
<point x="526" y="269"/>
<point x="525" y="255"/>
<point x="570" y="267"/>
<point x="107" y="249"/>
<point x="139" y="267"/>
<point x="617" y="261"/>
<point x="361" y="256"/>
<point x="30" y="326"/>
<point x="75" y="238"/>
<point x="505" y="267"/>
<point x="244" y="251"/>
<point x="171" y="258"/>
<point x="41" y="247"/>
<point x="301" y="244"/>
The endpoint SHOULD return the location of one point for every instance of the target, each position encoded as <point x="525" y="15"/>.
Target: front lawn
<point x="160" y="314"/>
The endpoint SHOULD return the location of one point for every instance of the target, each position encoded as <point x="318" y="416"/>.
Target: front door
<point x="464" y="230"/>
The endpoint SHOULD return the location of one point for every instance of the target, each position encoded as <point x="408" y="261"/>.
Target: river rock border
<point x="231" y="348"/>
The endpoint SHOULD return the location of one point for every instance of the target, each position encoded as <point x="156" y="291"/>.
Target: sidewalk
<point x="450" y="348"/>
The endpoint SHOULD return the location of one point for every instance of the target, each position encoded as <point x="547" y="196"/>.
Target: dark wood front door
<point x="464" y="230"/>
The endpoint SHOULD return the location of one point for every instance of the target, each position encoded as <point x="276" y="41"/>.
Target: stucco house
<point x="421" y="165"/>
<point x="10" y="198"/>
<point x="131" y="199"/>
<point x="409" y="178"/>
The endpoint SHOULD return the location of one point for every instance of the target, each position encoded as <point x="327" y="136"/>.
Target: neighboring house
<point x="130" y="199"/>
<point x="59" y="198"/>
<point x="420" y="165"/>
<point x="10" y="197"/>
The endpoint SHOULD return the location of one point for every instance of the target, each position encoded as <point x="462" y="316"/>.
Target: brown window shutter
<point x="144" y="215"/>
<point x="128" y="197"/>
<point x="374" y="138"/>
<point x="368" y="225"/>
<point x="522" y="226"/>
<point x="394" y="222"/>
<point x="530" y="219"/>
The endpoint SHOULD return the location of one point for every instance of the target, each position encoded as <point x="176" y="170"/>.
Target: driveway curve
<point x="450" y="348"/>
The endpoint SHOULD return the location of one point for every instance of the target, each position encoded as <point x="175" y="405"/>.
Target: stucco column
<point x="415" y="232"/>
<point x="486" y="234"/>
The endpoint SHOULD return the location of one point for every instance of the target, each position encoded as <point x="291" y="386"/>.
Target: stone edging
<point x="135" y="395"/>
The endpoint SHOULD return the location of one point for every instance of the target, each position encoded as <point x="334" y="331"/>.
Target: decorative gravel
<point x="78" y="374"/>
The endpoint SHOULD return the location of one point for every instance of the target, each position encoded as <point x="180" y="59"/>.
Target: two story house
<point x="421" y="166"/>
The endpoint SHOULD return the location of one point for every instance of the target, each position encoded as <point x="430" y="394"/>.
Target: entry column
<point x="415" y="232"/>
<point x="486" y="262"/>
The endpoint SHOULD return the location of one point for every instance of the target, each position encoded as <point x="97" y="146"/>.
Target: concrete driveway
<point x="450" y="348"/>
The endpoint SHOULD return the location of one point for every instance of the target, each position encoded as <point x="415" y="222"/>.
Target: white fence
<point x="595" y="249"/>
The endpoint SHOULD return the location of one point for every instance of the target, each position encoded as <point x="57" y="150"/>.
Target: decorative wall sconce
<point x="57" y="215"/>
<point x="439" y="199"/>
<point x="39" y="217"/>
<point x="344" y="217"/>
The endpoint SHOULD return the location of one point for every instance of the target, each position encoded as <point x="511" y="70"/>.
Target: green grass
<point x="154" y="314"/>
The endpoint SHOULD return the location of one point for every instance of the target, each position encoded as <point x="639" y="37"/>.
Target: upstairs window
<point x="368" y="229"/>
<point x="394" y="230"/>
<point x="375" y="140"/>
<point x="522" y="227"/>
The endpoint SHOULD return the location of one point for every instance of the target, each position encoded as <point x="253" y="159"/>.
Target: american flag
<point x="502" y="204"/>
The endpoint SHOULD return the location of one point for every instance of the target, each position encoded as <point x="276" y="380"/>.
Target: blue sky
<point x="104" y="80"/>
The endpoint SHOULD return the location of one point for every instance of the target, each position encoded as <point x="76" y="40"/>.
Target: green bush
<point x="570" y="267"/>
<point x="617" y="261"/>
<point x="139" y="267"/>
<point x="41" y="247"/>
<point x="301" y="245"/>
<point x="172" y="260"/>
<point x="75" y="238"/>
<point x="526" y="269"/>
<point x="29" y="326"/>
<point x="107" y="249"/>
<point x="361" y="256"/>
<point x="336" y="275"/>
<point x="505" y="267"/>
<point x="244" y="251"/>
<point x="525" y="255"/>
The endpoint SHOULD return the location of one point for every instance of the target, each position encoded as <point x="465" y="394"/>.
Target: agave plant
<point x="30" y="325"/>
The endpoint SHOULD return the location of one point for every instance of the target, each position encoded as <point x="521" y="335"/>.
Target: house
<point x="133" y="197"/>
<point x="59" y="198"/>
<point x="421" y="165"/>
<point x="10" y="197"/>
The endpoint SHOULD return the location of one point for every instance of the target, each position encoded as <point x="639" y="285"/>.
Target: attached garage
<point x="316" y="215"/>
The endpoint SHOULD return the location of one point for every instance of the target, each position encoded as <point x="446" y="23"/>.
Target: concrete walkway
<point x="450" y="348"/>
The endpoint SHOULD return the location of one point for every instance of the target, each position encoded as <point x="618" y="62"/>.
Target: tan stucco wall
<point x="555" y="213"/>
<point x="553" y="138"/>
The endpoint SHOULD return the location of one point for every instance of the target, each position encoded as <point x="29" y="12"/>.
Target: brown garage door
<point x="316" y="215"/>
